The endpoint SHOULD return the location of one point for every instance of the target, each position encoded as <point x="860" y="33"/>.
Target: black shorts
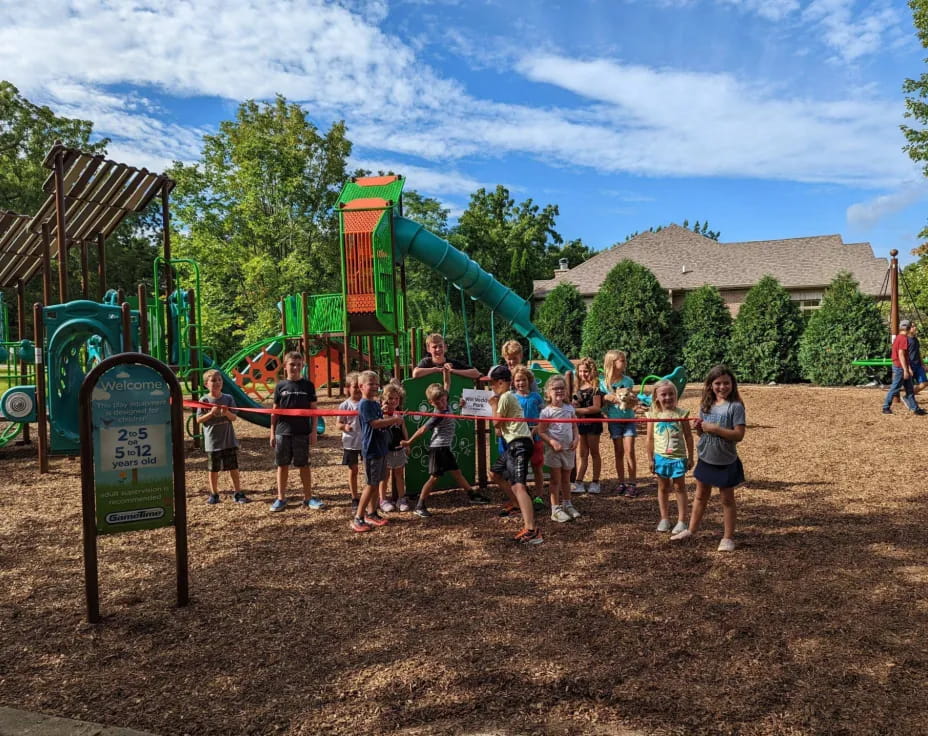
<point x="441" y="461"/>
<point x="292" y="449"/>
<point x="375" y="468"/>
<point x="590" y="428"/>
<point x="513" y="464"/>
<point x="222" y="460"/>
<point x="350" y="457"/>
<point x="719" y="476"/>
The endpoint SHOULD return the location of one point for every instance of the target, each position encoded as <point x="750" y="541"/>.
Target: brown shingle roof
<point x="796" y="262"/>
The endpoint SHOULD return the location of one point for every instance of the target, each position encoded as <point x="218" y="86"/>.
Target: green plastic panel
<point x="391" y="191"/>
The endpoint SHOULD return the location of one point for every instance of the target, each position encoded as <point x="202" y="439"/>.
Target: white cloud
<point x="869" y="213"/>
<point x="852" y="37"/>
<point x="774" y="10"/>
<point x="421" y="178"/>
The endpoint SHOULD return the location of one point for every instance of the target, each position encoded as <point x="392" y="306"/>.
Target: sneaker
<point x="679" y="527"/>
<point x="664" y="526"/>
<point x="560" y="514"/>
<point x="919" y="412"/>
<point x="278" y="505"/>
<point x="375" y="519"/>
<point x="423" y="512"/>
<point x="631" y="491"/>
<point x="529" y="536"/>
<point x="240" y="497"/>
<point x="594" y="487"/>
<point x="509" y="510"/>
<point x="578" y="487"/>
<point x="354" y="503"/>
<point x="404" y="504"/>
<point x="887" y="410"/>
<point x="387" y="506"/>
<point x="569" y="508"/>
<point x="477" y="498"/>
<point x="727" y="545"/>
<point x="539" y="503"/>
<point x="359" y="525"/>
<point x="620" y="490"/>
<point x="314" y="503"/>
<point x="212" y="498"/>
<point x="680" y="536"/>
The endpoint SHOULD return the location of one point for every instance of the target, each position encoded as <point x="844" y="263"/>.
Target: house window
<point x="809" y="305"/>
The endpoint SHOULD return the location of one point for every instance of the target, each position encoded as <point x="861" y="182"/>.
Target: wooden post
<point x="126" y="314"/>
<point x="143" y="319"/>
<point x="370" y="352"/>
<point x="328" y="367"/>
<point x="60" y="205"/>
<point x="412" y="350"/>
<point x="893" y="293"/>
<point x="46" y="264"/>
<point x="21" y="332"/>
<point x="101" y="266"/>
<point x="39" y="337"/>
<point x="481" y="440"/>
<point x="396" y="357"/>
<point x="85" y="271"/>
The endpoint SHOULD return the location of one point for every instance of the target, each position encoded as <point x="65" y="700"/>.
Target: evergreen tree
<point x="846" y="327"/>
<point x="560" y="318"/>
<point x="706" y="330"/>
<point x="632" y="312"/>
<point x="765" y="336"/>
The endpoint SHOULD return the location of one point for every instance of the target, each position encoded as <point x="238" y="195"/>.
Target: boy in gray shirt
<point x="219" y="438"/>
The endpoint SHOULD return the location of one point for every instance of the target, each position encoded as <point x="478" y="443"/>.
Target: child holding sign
<point x="219" y="438"/>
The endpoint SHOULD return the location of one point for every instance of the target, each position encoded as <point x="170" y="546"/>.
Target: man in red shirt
<point x="902" y="372"/>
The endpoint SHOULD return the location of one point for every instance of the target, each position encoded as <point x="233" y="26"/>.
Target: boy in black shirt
<point x="291" y="436"/>
<point x="436" y="361"/>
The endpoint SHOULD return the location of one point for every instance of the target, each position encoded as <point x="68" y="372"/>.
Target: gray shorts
<point x="375" y="468"/>
<point x="291" y="449"/>
<point x="561" y="459"/>
<point x="397" y="459"/>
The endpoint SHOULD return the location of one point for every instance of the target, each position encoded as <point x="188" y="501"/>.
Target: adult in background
<point x="919" y="378"/>
<point x="902" y="372"/>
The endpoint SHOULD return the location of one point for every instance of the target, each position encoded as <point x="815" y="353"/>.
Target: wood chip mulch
<point x="815" y="625"/>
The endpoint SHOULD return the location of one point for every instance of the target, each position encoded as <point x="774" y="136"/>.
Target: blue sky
<point x="771" y="118"/>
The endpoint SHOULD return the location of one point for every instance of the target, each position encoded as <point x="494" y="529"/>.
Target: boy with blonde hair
<point x="437" y="361"/>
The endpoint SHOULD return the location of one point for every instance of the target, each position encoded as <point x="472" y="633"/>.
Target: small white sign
<point x="475" y="402"/>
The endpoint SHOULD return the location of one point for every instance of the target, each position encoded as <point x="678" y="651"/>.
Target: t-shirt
<point x="442" y="431"/>
<point x="915" y="351"/>
<point x="668" y="436"/>
<point x="509" y="406"/>
<point x="396" y="437"/>
<point x="531" y="404"/>
<point x="712" y="448"/>
<point x="614" y="411"/>
<point x="300" y="394"/>
<point x="373" y="441"/>
<point x="563" y="432"/>
<point x="533" y="386"/>
<point x="218" y="432"/>
<point x="427" y="362"/>
<point x="350" y="440"/>
<point x="901" y="342"/>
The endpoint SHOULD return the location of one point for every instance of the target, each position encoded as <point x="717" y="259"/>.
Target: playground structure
<point x="364" y="326"/>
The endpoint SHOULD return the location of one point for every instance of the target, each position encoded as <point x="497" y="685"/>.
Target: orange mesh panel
<point x="375" y="181"/>
<point x="366" y="221"/>
<point x="361" y="303"/>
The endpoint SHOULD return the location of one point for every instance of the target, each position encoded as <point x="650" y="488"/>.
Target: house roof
<point x="683" y="260"/>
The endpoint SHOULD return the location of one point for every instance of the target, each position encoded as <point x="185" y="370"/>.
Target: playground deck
<point x="296" y="626"/>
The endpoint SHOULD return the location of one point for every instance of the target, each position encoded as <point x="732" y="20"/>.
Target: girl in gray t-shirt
<point x="720" y="427"/>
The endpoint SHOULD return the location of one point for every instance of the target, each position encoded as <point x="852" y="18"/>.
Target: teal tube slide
<point x="243" y="400"/>
<point x="413" y="240"/>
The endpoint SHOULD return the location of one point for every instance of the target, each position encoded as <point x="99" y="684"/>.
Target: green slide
<point x="411" y="239"/>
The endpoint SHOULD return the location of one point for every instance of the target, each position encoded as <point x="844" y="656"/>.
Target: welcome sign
<point x="133" y="450"/>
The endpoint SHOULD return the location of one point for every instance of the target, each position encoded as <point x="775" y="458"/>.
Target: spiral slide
<point x="413" y="240"/>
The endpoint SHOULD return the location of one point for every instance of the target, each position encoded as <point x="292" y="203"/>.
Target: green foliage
<point x="256" y="212"/>
<point x="574" y="251"/>
<point x="632" y="312"/>
<point x="697" y="228"/>
<point x="846" y="327"/>
<point x="916" y="106"/>
<point x="765" y="335"/>
<point x="560" y="318"/>
<point x="706" y="328"/>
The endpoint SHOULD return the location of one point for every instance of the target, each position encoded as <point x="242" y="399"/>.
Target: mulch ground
<point x="815" y="625"/>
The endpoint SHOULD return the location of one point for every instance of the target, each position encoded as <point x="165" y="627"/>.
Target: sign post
<point x="132" y="460"/>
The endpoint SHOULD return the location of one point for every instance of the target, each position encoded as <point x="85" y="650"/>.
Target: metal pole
<point x="143" y="319"/>
<point x="85" y="271"/>
<point x="168" y="275"/>
<point x="21" y="332"/>
<point x="126" y="314"/>
<point x="101" y="266"/>
<point x="88" y="512"/>
<point x="38" y="336"/>
<point x="60" y="205"/>
<point x="194" y="353"/>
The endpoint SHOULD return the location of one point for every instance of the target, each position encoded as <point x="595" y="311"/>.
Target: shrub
<point x="706" y="330"/>
<point x="560" y="318"/>
<point x="631" y="312"/>
<point x="765" y="336"/>
<point x="848" y="326"/>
